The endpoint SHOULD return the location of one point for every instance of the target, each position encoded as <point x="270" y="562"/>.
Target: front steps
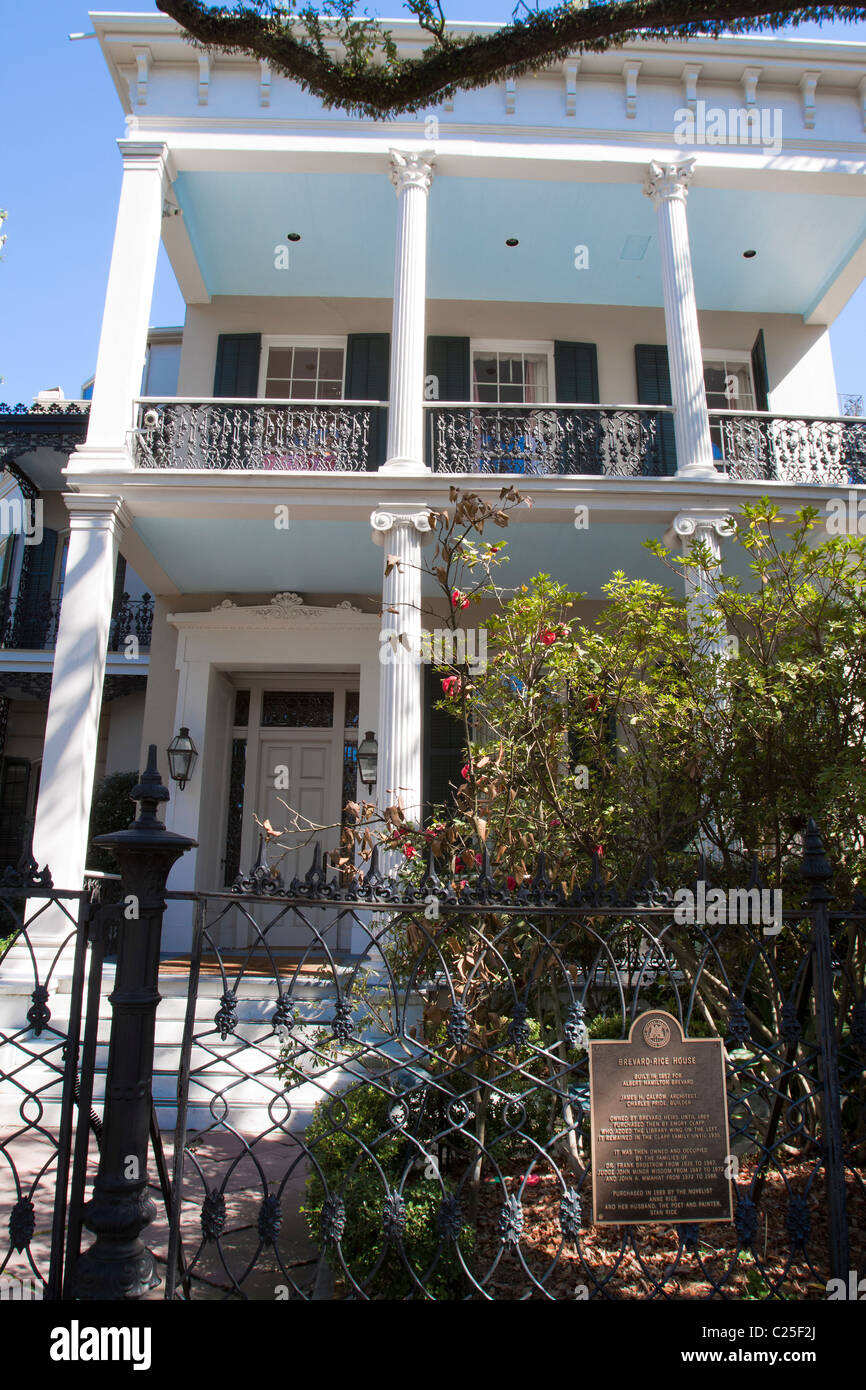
<point x="233" y="1079"/>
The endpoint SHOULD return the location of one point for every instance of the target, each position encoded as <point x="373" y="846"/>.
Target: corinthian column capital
<point x="665" y="182"/>
<point x="412" y="169"/>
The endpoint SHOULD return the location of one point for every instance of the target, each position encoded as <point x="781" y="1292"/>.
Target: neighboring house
<point x="540" y="301"/>
<point x="35" y="442"/>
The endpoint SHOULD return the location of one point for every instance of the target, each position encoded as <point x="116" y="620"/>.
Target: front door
<point x="298" y="736"/>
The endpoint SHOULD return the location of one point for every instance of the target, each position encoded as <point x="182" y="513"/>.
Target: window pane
<point x="277" y="390"/>
<point x="306" y="364"/>
<point x="535" y="376"/>
<point x="279" y="362"/>
<point x="511" y="395"/>
<point x="714" y="381"/>
<point x="331" y="364"/>
<point x="330" y="391"/>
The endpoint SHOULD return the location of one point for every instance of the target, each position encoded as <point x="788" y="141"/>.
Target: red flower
<point x="511" y="883"/>
<point x="451" y="686"/>
<point x="433" y="831"/>
<point x="599" y="849"/>
<point x="464" y="772"/>
<point x="593" y="703"/>
<point x="479" y="858"/>
<point x="549" y="637"/>
<point x="459" y="600"/>
<point x="409" y="851"/>
<point x="555" y="822"/>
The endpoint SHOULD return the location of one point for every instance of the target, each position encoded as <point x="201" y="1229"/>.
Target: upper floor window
<point x="728" y="381"/>
<point x="303" y="369"/>
<point x="521" y="374"/>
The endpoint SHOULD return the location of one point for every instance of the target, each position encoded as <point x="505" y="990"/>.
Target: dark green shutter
<point x="444" y="749"/>
<point x="237" y="365"/>
<point x="654" y="388"/>
<point x="33" y="619"/>
<point x="14" y="796"/>
<point x="449" y="361"/>
<point x="575" y="367"/>
<point x="759" y="373"/>
<point x="367" y="357"/>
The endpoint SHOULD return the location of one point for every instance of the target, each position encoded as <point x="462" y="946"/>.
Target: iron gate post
<point x="817" y="871"/>
<point x="118" y="1264"/>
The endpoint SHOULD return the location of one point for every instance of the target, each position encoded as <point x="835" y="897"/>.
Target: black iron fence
<point x="415" y="1075"/>
<point x="382" y="1090"/>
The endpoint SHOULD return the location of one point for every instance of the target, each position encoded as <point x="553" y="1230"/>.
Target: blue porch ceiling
<point x="347" y="228"/>
<point x="339" y="557"/>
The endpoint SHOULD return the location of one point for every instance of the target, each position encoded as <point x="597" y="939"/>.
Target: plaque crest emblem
<point x="656" y="1033"/>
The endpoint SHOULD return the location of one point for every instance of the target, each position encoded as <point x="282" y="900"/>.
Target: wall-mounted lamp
<point x="368" y="759"/>
<point x="182" y="754"/>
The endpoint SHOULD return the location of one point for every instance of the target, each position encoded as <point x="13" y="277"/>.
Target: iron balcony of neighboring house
<point x="29" y="621"/>
<point x="620" y="441"/>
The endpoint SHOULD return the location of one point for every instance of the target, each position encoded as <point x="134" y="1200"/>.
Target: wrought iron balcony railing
<point x="827" y="449"/>
<point x="274" y="436"/>
<point x="29" y="622"/>
<point x="620" y="441"/>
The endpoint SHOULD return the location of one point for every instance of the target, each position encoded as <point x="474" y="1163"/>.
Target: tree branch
<point x="364" y="84"/>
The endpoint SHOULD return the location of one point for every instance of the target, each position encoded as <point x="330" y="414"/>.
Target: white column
<point x="667" y="186"/>
<point x="69" y="754"/>
<point x="710" y="528"/>
<point x="125" y="319"/>
<point x="411" y="175"/>
<point x="401" y="530"/>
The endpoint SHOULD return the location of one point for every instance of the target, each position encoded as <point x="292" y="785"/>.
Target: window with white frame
<point x="729" y="386"/>
<point x="728" y="381"/>
<point x="512" y="374"/>
<point x="303" y="369"/>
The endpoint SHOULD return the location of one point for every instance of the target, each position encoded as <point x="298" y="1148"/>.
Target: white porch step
<point x="244" y="1074"/>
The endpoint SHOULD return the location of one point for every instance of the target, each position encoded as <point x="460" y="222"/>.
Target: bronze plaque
<point x="659" y="1118"/>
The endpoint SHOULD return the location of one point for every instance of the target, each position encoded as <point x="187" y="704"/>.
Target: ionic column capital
<point x="688" y="524"/>
<point x="669" y="182"/>
<point x="388" y="519"/>
<point x="412" y="169"/>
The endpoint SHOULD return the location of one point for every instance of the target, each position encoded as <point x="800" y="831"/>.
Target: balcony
<point x="274" y="436"/>
<point x="608" y="440"/>
<point x="829" y="450"/>
<point x="612" y="441"/>
<point x="29" y="622"/>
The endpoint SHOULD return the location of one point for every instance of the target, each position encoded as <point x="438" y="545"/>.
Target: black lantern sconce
<point x="182" y="754"/>
<point x="368" y="759"/>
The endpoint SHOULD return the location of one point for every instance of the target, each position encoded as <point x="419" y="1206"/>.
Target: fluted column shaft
<point x="709" y="528"/>
<point x="401" y="532"/>
<point x="411" y="175"/>
<point x="667" y="186"/>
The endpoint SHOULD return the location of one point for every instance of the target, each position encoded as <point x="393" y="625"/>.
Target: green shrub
<point x="341" y="1131"/>
<point x="112" y="809"/>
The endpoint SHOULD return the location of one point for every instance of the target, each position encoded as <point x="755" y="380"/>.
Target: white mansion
<point x="611" y="283"/>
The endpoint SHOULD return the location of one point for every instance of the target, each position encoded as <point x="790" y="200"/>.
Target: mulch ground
<point x="641" y="1261"/>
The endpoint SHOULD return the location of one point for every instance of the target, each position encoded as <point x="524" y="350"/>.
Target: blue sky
<point x="59" y="181"/>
